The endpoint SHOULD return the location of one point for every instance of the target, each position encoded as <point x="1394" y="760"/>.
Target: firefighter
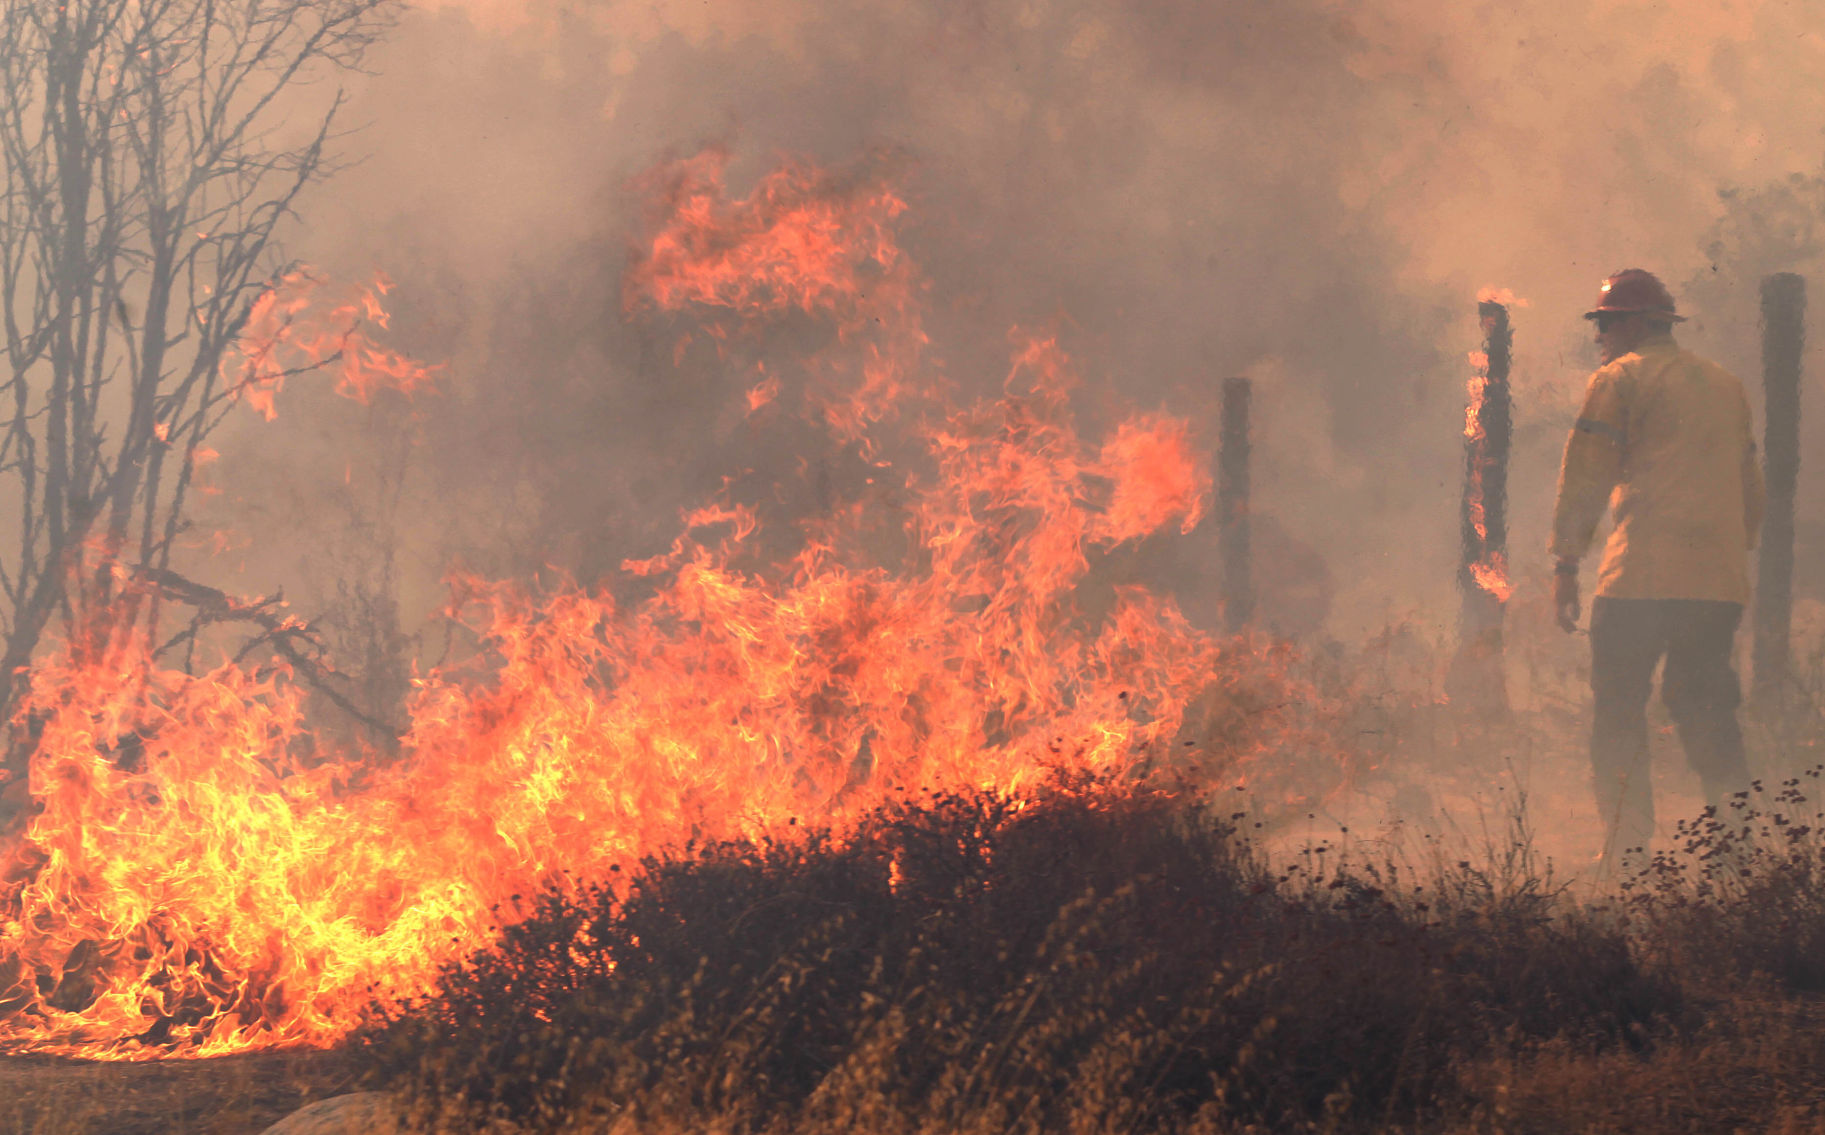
<point x="1664" y="439"/>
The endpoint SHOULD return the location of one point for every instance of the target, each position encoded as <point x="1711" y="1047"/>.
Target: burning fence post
<point x="1783" y="339"/>
<point x="1477" y="678"/>
<point x="1232" y="505"/>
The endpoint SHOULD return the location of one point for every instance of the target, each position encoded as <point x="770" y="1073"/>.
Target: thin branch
<point x="286" y="634"/>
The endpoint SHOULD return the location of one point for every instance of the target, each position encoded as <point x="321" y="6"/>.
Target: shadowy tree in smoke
<point x="1777" y="227"/>
<point x="151" y="150"/>
<point x="1761" y="230"/>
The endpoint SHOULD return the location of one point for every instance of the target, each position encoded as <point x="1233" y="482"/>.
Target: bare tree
<point x="152" y="149"/>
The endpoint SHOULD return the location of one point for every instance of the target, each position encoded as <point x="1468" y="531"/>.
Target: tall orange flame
<point x="191" y="884"/>
<point x="806" y="240"/>
<point x="1490" y="570"/>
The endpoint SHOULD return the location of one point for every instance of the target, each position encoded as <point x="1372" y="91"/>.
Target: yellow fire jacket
<point x="1664" y="439"/>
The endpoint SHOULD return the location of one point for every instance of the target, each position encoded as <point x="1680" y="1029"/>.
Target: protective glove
<point x="1566" y="607"/>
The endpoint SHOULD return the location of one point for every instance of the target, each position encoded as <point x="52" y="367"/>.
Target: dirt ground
<point x="231" y="1095"/>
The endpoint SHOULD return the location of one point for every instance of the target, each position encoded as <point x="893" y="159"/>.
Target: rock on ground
<point x="359" y="1113"/>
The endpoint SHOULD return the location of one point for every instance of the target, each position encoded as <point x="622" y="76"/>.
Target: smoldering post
<point x="1477" y="670"/>
<point x="1783" y="340"/>
<point x="1233" y="506"/>
<point x="1486" y="540"/>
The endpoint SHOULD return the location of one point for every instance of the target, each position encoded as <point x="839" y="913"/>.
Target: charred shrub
<point x="1101" y="958"/>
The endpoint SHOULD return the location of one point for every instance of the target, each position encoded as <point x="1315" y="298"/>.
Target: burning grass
<point x="1098" y="957"/>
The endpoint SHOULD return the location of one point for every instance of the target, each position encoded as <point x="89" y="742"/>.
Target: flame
<point x="1503" y="296"/>
<point x="304" y="322"/>
<point x="1491" y="574"/>
<point x="806" y="240"/>
<point x="199" y="878"/>
<point x="763" y="393"/>
<point x="1476" y="387"/>
<point x="803" y="240"/>
<point x="1156" y="479"/>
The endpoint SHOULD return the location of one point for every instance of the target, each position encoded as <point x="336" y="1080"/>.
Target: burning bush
<point x="1094" y="959"/>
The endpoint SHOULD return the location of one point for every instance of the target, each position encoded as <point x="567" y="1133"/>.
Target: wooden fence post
<point x="1783" y="340"/>
<point x="1477" y="673"/>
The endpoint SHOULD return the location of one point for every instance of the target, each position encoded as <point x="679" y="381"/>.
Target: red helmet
<point x="1634" y="290"/>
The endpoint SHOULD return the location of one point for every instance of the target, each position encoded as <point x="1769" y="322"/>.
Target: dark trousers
<point x="1629" y="637"/>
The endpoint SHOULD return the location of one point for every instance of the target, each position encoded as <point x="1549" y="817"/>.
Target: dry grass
<point x="1755" y="1066"/>
<point x="235" y="1095"/>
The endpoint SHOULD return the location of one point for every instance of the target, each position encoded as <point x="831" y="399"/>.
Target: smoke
<point x="1306" y="191"/>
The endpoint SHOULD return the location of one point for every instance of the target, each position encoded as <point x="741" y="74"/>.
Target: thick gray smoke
<point x="1307" y="192"/>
